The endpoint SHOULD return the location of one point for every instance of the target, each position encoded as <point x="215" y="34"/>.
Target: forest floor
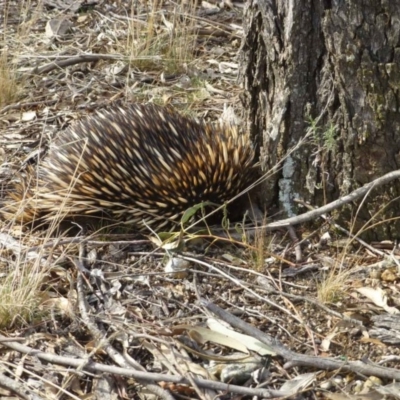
<point x="104" y="315"/>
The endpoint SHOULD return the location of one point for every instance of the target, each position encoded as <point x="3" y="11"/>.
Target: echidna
<point x="142" y="164"/>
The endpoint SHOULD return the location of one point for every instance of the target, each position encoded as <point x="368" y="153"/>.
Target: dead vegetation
<point x="96" y="304"/>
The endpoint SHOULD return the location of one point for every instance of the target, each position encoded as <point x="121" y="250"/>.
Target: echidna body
<point x="142" y="164"/>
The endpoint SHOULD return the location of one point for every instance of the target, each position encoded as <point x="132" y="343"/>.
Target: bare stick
<point x="294" y="359"/>
<point x="89" y="366"/>
<point x="356" y="194"/>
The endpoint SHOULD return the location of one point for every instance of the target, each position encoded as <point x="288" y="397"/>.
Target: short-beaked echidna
<point x="142" y="164"/>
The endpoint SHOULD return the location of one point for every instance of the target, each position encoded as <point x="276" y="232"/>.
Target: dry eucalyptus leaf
<point x="250" y="342"/>
<point x="299" y="383"/>
<point x="378" y="297"/>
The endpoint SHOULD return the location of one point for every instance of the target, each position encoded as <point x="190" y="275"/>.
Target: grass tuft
<point x="163" y="41"/>
<point x="10" y="86"/>
<point x="20" y="295"/>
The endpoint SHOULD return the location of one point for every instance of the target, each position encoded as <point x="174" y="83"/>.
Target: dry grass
<point x="33" y="277"/>
<point x="10" y="86"/>
<point x="20" y="293"/>
<point x="332" y="287"/>
<point x="262" y="245"/>
<point x="336" y="282"/>
<point x="16" y="39"/>
<point x="30" y="13"/>
<point x="162" y="41"/>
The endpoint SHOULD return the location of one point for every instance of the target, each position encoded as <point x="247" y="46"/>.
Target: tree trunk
<point x="329" y="69"/>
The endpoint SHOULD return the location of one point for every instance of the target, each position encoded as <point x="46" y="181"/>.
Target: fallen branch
<point x="294" y="359"/>
<point x="66" y="62"/>
<point x="18" y="388"/>
<point x="87" y="365"/>
<point x="356" y="194"/>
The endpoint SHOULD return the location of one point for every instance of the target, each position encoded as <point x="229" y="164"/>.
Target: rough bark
<point x="329" y="68"/>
